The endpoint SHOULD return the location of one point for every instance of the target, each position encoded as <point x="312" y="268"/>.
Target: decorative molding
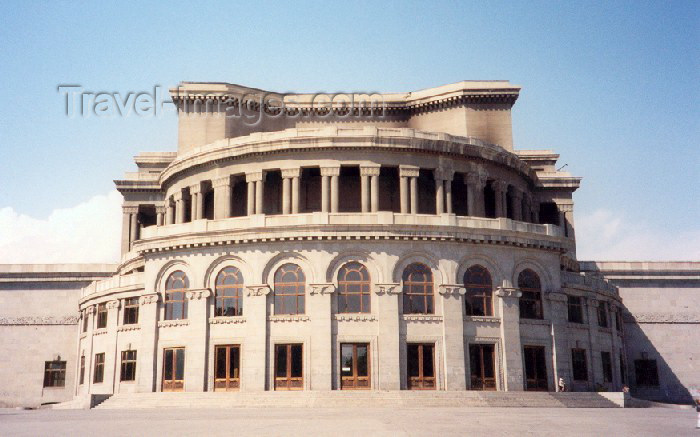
<point x="356" y="317"/>
<point x="504" y="292"/>
<point x="369" y="170"/>
<point x="321" y="289"/>
<point x="148" y="299"/>
<point x="198" y="294"/>
<point x="173" y="323"/>
<point x="129" y="327"/>
<point x="422" y="318"/>
<point x="447" y="290"/>
<point x="258" y="290"/>
<point x="648" y="318"/>
<point x="91" y="309"/>
<point x="100" y="331"/>
<point x="288" y="318"/>
<point x="408" y="171"/>
<point x="482" y="319"/>
<point x="226" y="320"/>
<point x="291" y="172"/>
<point x="388" y="289"/>
<point x="113" y="305"/>
<point x="330" y="171"/>
<point x="254" y="177"/>
<point x="39" y="320"/>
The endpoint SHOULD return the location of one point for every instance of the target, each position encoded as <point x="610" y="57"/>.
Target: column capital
<point x="445" y="174"/>
<point x="177" y="196"/>
<point x="370" y="170"/>
<point x="113" y="304"/>
<point x="508" y="293"/>
<point x="160" y="209"/>
<point x="90" y="309"/>
<point x="196" y="188"/>
<point x="291" y="172"/>
<point x="477" y="178"/>
<point x="387" y="289"/>
<point x="221" y="182"/>
<point x="258" y="290"/>
<point x="130" y="209"/>
<point x="321" y="289"/>
<point x="446" y="290"/>
<point x="517" y="192"/>
<point x="330" y="171"/>
<point x="410" y="171"/>
<point x="254" y="176"/>
<point x="148" y="299"/>
<point x="499" y="185"/>
<point x="198" y="294"/>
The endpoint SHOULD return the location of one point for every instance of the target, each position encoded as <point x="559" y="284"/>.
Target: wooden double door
<point x="482" y="366"/>
<point x="535" y="368"/>
<point x="227" y="368"/>
<point x="420" y="366"/>
<point x="173" y="369"/>
<point x="354" y="366"/>
<point x="289" y="367"/>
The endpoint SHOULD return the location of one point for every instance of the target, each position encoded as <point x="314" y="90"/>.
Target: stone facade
<point x="418" y="197"/>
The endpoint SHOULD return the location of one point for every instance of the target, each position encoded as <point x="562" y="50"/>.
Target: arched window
<point x="353" y="289"/>
<point x="229" y="293"/>
<point x="479" y="297"/>
<point x="418" y="290"/>
<point x="175" y="301"/>
<point x="531" y="300"/>
<point x="290" y="290"/>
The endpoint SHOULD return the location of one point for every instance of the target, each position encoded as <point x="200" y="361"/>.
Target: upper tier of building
<point x="209" y="112"/>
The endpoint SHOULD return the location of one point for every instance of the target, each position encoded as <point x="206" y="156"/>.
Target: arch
<point x="289" y="289"/>
<point x="354" y="284"/>
<point x="478" y="282"/>
<point x="418" y="289"/>
<point x="175" y="302"/>
<point x="167" y="269"/>
<point x="497" y="275"/>
<point x="430" y="260"/>
<point x="360" y="256"/>
<point x="534" y="265"/>
<point x="288" y="257"/>
<point x="222" y="262"/>
<point x="530" y="286"/>
<point x="228" y="292"/>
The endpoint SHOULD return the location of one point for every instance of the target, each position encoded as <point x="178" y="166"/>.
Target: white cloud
<point x="89" y="232"/>
<point x="606" y="236"/>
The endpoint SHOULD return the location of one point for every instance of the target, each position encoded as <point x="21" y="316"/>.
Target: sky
<point x="610" y="86"/>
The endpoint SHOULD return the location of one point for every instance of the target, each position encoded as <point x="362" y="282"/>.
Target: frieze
<point x="39" y="320"/>
<point x="355" y="317"/>
<point x="130" y="327"/>
<point x="422" y="318"/>
<point x="113" y="304"/>
<point x="148" y="299"/>
<point x="198" y="294"/>
<point x="100" y="331"/>
<point x="482" y="319"/>
<point x="288" y="318"/>
<point x="226" y="320"/>
<point x="172" y="323"/>
<point x="682" y="318"/>
<point x="387" y="289"/>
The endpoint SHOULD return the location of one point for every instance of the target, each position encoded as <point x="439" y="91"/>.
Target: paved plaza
<point x="352" y="421"/>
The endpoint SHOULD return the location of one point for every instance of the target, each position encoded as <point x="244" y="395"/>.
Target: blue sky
<point x="611" y="86"/>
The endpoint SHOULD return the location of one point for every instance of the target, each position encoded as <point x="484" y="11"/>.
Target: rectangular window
<point x="579" y="364"/>
<point x="128" y="372"/>
<point x="606" y="359"/>
<point x="101" y="315"/>
<point x="531" y="305"/>
<point x="99" y="373"/>
<point x="603" y="314"/>
<point x="82" y="370"/>
<point x="55" y="374"/>
<point x="85" y="321"/>
<point x="575" y="309"/>
<point x="131" y="311"/>
<point x="646" y="372"/>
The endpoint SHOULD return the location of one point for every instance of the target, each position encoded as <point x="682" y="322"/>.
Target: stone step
<point x="339" y="399"/>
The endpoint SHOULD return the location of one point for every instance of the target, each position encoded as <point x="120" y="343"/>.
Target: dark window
<point x="418" y="290"/>
<point x="549" y="213"/>
<point x="128" y="372"/>
<point x="86" y="316"/>
<point x="289" y="367"/>
<point x="479" y="297"/>
<point x="173" y="369"/>
<point x="229" y="293"/>
<point x="646" y="372"/>
<point x="239" y="197"/>
<point x="606" y="359"/>
<point x="354" y="366"/>
<point x="623" y="369"/>
<point x="602" y="314"/>
<point x="175" y="301"/>
<point x="460" y="200"/>
<point x="420" y="363"/>
<point x="426" y="192"/>
<point x="227" y="368"/>
<point x="489" y="201"/>
<point x="82" y="370"/>
<point x="535" y="368"/>
<point x="290" y="285"/>
<point x="310" y="195"/>
<point x="349" y="189"/>
<point x="353" y="289"/>
<point x="101" y="315"/>
<point x="55" y="374"/>
<point x="579" y="364"/>
<point x="575" y="309"/>
<point x="531" y="299"/>
<point x="389" y="193"/>
<point x="99" y="372"/>
<point x="131" y="311"/>
<point x="208" y="201"/>
<point x="272" y="193"/>
<point x="482" y="365"/>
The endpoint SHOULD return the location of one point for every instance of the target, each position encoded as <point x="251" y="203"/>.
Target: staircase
<point x="340" y="399"/>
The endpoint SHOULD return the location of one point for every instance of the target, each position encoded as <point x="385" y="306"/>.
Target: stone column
<point x="389" y="346"/>
<point x="500" y="188"/>
<point x="255" y="192"/>
<point x="290" y="190"/>
<point x="319" y="311"/>
<point x="133" y="228"/>
<point x="568" y="218"/>
<point x="403" y="187"/>
<point x="127" y="213"/>
<point x="169" y="211"/>
<point x="364" y="190"/>
<point x="372" y="172"/>
<point x="222" y="197"/>
<point x="148" y="348"/>
<point x="160" y="215"/>
<point x="259" y="195"/>
<point x="509" y="306"/>
<point x="254" y="366"/>
<point x="535" y="211"/>
<point x="448" y="194"/>
<point x="409" y="173"/>
<point x="414" y="195"/>
<point x="453" y="336"/>
<point x="197" y="351"/>
<point x="112" y="356"/>
<point x="560" y="319"/>
<point x="179" y="207"/>
<point x="86" y="345"/>
<point x="527" y="207"/>
<point x="592" y="351"/>
<point x="325" y="192"/>
<point x="329" y="188"/>
<point x="517" y="204"/>
<point x="197" y="202"/>
<point x="439" y="193"/>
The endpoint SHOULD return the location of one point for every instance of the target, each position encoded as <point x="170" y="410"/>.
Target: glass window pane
<point x="221" y="362"/>
<point x="297" y="360"/>
<point x="168" y="364"/>
<point x="281" y="357"/>
<point x="428" y="369"/>
<point x="234" y="362"/>
<point x="362" y="367"/>
<point x="346" y="351"/>
<point x="301" y="305"/>
<point x="489" y="368"/>
<point x="366" y="308"/>
<point x="412" y="359"/>
<point x="354" y="301"/>
<point x="180" y="364"/>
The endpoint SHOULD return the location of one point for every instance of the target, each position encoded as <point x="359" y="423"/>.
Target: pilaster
<point x="319" y="310"/>
<point x="389" y="346"/>
<point x="197" y="350"/>
<point x="147" y="359"/>
<point x="453" y="336"/>
<point x="509" y="305"/>
<point x="253" y="367"/>
<point x="112" y="358"/>
<point x="560" y="345"/>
